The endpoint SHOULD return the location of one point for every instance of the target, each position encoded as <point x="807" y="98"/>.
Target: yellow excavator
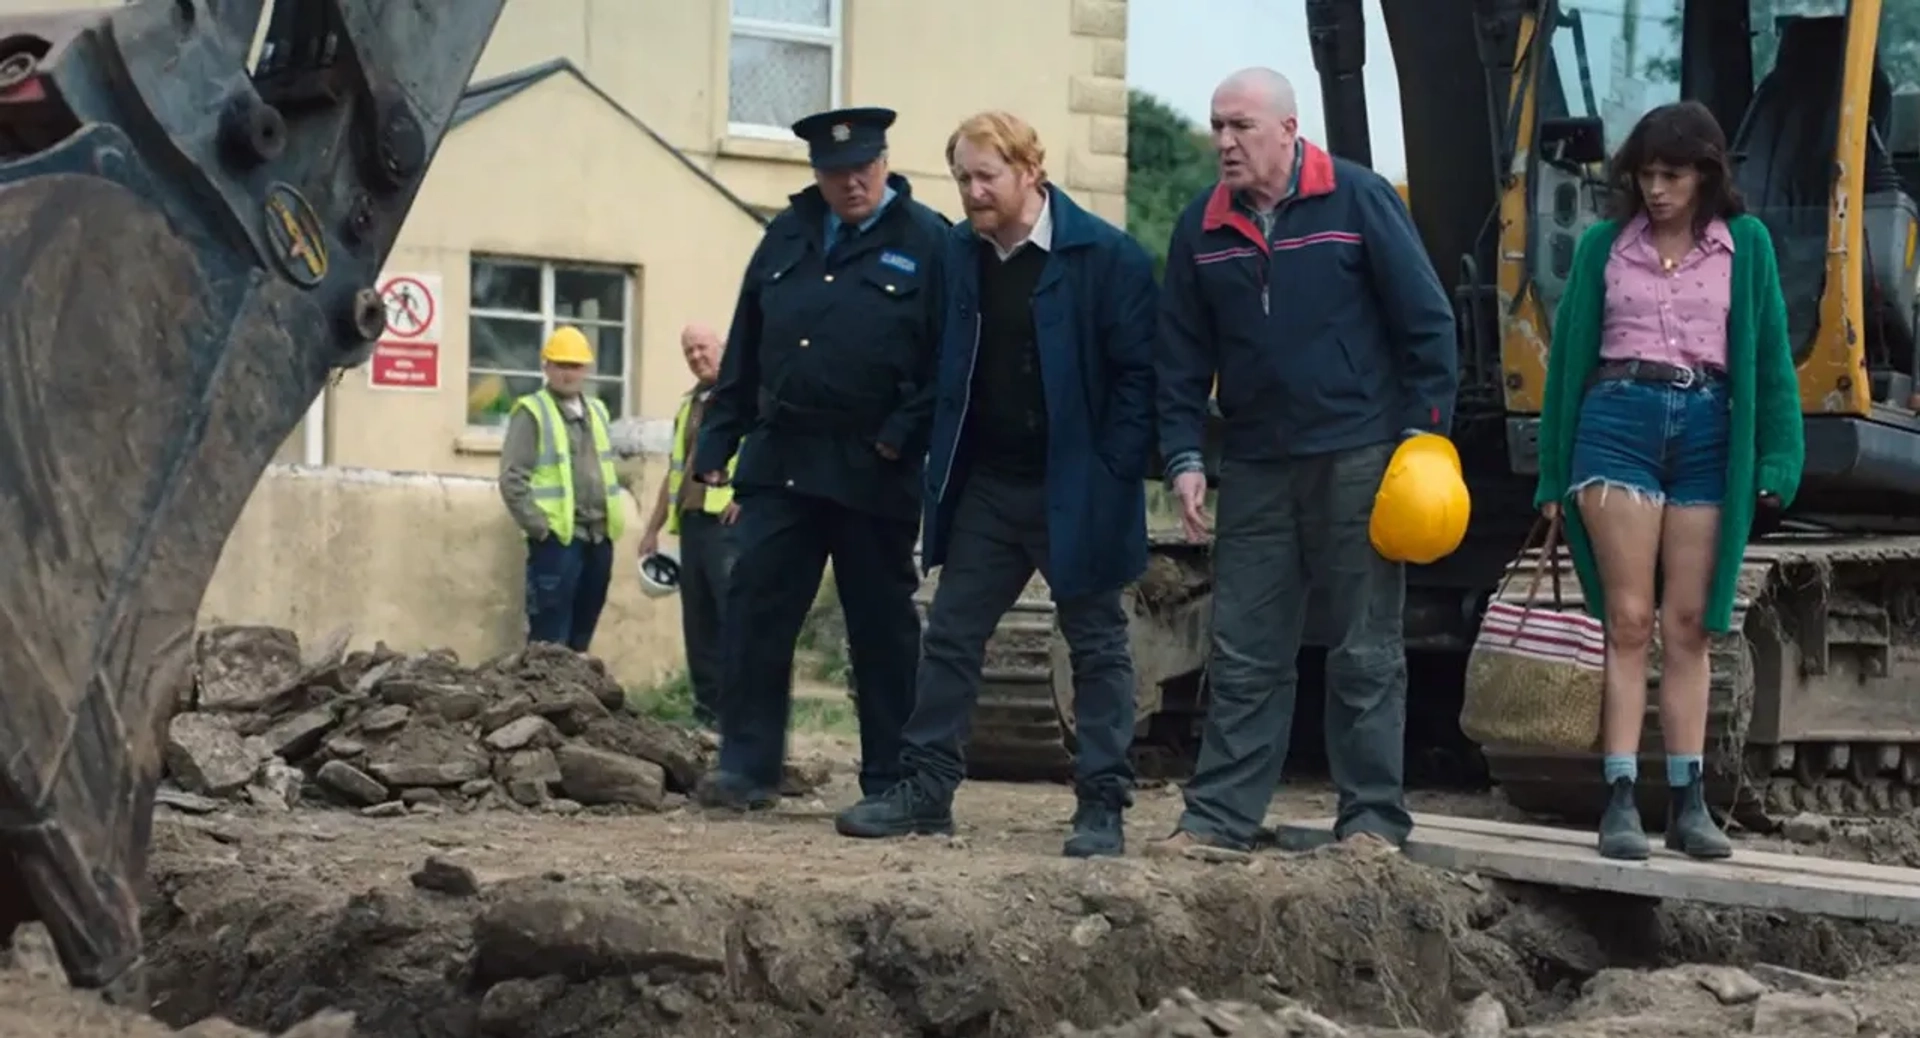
<point x="194" y="207"/>
<point x="1509" y="109"/>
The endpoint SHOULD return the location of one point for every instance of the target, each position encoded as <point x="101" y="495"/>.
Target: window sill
<point x="481" y="442"/>
<point x="752" y="143"/>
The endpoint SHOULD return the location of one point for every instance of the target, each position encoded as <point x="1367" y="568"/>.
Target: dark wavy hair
<point x="1681" y="134"/>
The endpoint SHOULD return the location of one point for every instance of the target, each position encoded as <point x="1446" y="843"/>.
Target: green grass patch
<point x="671" y="700"/>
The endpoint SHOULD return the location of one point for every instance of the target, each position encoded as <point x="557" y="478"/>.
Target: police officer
<point x="826" y="389"/>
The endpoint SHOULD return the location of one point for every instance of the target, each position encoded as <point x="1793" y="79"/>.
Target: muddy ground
<point x="538" y="924"/>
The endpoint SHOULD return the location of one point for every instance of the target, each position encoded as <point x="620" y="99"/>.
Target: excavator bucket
<point x="188" y="245"/>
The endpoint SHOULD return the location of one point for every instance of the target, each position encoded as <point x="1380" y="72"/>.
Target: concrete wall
<point x="418" y="561"/>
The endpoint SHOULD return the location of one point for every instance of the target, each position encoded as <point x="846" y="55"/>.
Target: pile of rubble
<point x="392" y="734"/>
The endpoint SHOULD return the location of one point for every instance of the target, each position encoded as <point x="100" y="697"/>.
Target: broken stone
<point x="297" y="736"/>
<point x="801" y="777"/>
<point x="531" y="731"/>
<point x="533" y="928"/>
<point x="505" y="711"/>
<point x="674" y="749"/>
<point x="205" y="755"/>
<point x="428" y="754"/>
<point x="243" y="668"/>
<point x="372" y="678"/>
<point x="598" y="777"/>
<point x="528" y="776"/>
<point x="390" y="809"/>
<point x="1795" y="980"/>
<point x="350" y="782"/>
<point x="385" y="719"/>
<point x="343" y="748"/>
<point x="1807" y="828"/>
<point x="509" y="1007"/>
<point x="330" y="1023"/>
<point x="456" y="705"/>
<point x="418" y="795"/>
<point x="572" y="712"/>
<point x="443" y="876"/>
<point x="1785" y="1013"/>
<point x="1484" y="1017"/>
<point x="217" y="1027"/>
<point x="181" y="800"/>
<point x="276" y="787"/>
<point x="481" y="787"/>
<point x="1087" y="932"/>
<point x="1730" y="985"/>
<point x="562" y="806"/>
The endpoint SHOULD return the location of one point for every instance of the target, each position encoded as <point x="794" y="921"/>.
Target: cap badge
<point x="842" y="132"/>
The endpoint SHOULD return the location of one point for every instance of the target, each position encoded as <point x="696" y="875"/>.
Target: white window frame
<point x="549" y="320"/>
<point x="833" y="37"/>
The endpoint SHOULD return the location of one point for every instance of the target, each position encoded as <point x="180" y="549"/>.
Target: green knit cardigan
<point x="1766" y="438"/>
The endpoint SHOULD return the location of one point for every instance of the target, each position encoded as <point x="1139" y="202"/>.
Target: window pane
<point x="490" y="397"/>
<point x="775" y="82"/>
<point x="503" y="342"/>
<point x="592" y="295"/>
<point x="609" y="348"/>
<point x="608" y="390"/>
<point x="506" y="286"/>
<point x="815" y="13"/>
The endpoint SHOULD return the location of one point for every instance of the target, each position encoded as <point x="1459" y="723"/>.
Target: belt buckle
<point x="1685" y="379"/>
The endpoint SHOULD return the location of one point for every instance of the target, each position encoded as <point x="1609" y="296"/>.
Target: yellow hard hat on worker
<point x="1421" y="509"/>
<point x="567" y="345"/>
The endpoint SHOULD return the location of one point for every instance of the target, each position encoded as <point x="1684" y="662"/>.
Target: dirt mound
<point x="390" y="734"/>
<point x="1679" y="1002"/>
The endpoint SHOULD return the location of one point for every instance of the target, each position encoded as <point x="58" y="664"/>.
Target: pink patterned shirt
<point x="1674" y="317"/>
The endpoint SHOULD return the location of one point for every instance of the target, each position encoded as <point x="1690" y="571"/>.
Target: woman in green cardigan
<point x="1672" y="420"/>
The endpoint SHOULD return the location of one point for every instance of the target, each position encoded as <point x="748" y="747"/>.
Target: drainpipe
<point x="315" y="432"/>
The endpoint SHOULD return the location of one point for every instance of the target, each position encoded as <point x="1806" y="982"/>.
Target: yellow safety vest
<point x="717" y="498"/>
<point x="552" y="478"/>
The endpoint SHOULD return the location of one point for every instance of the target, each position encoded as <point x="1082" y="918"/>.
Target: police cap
<point x="845" y="137"/>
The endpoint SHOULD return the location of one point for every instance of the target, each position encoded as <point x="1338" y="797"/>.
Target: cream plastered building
<point x="612" y="166"/>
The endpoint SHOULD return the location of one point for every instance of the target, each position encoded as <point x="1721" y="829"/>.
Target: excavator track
<point x="1813" y="704"/>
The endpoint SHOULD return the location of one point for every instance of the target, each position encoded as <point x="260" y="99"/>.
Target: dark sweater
<point x="1008" y="418"/>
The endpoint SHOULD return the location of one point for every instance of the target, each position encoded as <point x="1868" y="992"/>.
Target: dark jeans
<point x="785" y="541"/>
<point x="1285" y="527"/>
<point x="999" y="538"/>
<point x="706" y="558"/>
<point x="566" y="589"/>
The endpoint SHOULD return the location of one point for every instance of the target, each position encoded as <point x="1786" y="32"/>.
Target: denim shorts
<point x="1653" y="439"/>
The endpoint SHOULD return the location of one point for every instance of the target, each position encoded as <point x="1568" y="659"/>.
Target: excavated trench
<point x="937" y="939"/>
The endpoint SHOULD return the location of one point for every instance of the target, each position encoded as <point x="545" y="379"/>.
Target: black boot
<point x="905" y="809"/>
<point x="1099" y="827"/>
<point x="1691" y="829"/>
<point x="1621" y="836"/>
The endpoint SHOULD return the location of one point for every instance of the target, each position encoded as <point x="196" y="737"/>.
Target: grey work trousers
<point x="1285" y="528"/>
<point x="707" y="551"/>
<point x="999" y="538"/>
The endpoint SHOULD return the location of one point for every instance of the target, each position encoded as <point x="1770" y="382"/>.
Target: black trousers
<point x="785" y="540"/>
<point x="706" y="560"/>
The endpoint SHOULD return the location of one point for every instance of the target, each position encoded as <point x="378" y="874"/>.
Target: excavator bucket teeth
<point x="187" y="253"/>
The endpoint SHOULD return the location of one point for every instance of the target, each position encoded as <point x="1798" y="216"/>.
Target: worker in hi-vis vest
<point x="558" y="480"/>
<point x="702" y="517"/>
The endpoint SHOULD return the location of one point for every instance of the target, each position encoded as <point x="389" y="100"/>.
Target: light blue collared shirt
<point x="834" y="223"/>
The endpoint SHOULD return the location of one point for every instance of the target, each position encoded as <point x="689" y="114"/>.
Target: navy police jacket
<point x="1330" y="333"/>
<point x="829" y="355"/>
<point x="1093" y="317"/>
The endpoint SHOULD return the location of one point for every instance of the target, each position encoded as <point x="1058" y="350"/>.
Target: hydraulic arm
<point x="188" y="245"/>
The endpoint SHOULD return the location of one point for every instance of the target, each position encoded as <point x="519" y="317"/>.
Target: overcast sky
<point x="1179" y="50"/>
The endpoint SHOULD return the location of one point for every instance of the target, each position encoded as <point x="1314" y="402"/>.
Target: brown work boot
<point x="1183" y="844"/>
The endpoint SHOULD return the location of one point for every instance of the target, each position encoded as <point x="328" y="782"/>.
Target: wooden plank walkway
<point x="1566" y="858"/>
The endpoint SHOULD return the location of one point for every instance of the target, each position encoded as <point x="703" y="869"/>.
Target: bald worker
<point x="1299" y="255"/>
<point x="702" y="517"/>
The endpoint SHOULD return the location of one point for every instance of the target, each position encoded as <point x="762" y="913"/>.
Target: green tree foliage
<point x="1169" y="161"/>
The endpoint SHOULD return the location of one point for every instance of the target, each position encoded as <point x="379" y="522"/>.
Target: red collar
<point x="1316" y="179"/>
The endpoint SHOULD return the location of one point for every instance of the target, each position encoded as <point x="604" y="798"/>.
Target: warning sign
<point x="408" y="353"/>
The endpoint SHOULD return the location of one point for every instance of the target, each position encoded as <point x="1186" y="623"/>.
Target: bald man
<point x="1298" y="286"/>
<point x="702" y="517"/>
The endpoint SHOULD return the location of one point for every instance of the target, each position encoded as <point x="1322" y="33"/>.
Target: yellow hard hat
<point x="1421" y="510"/>
<point x="567" y="345"/>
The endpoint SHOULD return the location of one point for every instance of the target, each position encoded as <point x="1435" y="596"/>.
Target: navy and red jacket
<point x="1331" y="333"/>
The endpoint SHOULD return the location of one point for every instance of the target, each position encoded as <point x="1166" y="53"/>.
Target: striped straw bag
<point x="1536" y="675"/>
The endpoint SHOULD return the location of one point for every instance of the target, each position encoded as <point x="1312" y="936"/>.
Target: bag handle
<point x="1545" y="532"/>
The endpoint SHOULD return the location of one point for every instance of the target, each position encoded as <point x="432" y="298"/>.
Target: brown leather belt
<point x="1658" y="372"/>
